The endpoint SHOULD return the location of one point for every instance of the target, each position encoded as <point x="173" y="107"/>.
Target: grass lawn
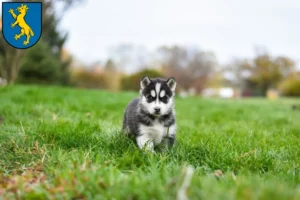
<point x="61" y="143"/>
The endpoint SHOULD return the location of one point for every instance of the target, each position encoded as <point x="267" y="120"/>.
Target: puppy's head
<point x="157" y="95"/>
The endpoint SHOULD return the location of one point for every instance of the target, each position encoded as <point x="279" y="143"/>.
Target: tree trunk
<point x="11" y="64"/>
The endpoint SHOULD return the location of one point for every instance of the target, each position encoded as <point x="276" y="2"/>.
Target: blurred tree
<point x="129" y="58"/>
<point x="191" y="68"/>
<point x="268" y="71"/>
<point x="200" y="69"/>
<point x="290" y="86"/>
<point x="110" y="66"/>
<point x="174" y="57"/>
<point x="261" y="73"/>
<point x="236" y="74"/>
<point x="47" y="70"/>
<point x="216" y="80"/>
<point x="10" y="57"/>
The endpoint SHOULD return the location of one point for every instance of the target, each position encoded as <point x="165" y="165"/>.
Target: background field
<point x="67" y="143"/>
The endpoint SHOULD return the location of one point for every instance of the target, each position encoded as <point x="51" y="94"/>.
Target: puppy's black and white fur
<point x="150" y="118"/>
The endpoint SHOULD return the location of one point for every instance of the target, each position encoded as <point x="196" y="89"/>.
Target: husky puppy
<point x="150" y="118"/>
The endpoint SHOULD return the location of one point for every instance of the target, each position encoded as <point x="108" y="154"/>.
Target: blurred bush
<point x="290" y="86"/>
<point x="112" y="76"/>
<point x="86" y="78"/>
<point x="132" y="82"/>
<point x="96" y="76"/>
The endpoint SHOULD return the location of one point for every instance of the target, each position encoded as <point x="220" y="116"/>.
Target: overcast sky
<point x="230" y="28"/>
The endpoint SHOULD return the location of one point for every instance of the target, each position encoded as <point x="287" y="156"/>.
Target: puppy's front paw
<point x="145" y="143"/>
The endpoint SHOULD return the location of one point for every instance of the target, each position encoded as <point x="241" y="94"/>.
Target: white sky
<point x="230" y="28"/>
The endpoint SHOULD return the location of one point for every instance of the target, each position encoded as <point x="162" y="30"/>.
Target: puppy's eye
<point x="164" y="98"/>
<point x="149" y="98"/>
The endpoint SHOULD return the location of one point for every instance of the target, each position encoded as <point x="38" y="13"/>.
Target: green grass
<point x="61" y="143"/>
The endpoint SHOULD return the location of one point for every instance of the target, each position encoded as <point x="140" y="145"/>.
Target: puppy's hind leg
<point x="125" y="128"/>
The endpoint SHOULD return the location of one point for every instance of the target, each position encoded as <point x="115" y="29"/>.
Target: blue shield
<point x="22" y="23"/>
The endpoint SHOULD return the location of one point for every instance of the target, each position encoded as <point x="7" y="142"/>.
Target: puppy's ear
<point x="172" y="83"/>
<point x="145" y="81"/>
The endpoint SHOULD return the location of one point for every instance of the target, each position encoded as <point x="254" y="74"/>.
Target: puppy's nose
<point x="157" y="110"/>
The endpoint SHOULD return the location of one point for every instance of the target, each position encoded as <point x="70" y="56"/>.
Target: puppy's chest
<point x="156" y="131"/>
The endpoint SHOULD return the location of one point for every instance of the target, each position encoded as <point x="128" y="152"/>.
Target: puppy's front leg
<point x="144" y="142"/>
<point x="168" y="142"/>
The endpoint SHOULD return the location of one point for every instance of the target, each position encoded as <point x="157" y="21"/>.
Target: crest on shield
<point x="21" y="23"/>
